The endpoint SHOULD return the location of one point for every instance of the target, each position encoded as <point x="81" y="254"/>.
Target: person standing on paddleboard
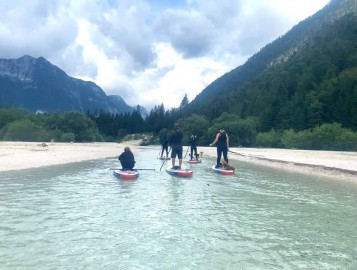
<point x="165" y="146"/>
<point x="126" y="159"/>
<point x="193" y="145"/>
<point x="222" y="141"/>
<point x="176" y="146"/>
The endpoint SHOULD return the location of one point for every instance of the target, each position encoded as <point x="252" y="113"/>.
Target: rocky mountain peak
<point x="24" y="80"/>
<point x="21" y="68"/>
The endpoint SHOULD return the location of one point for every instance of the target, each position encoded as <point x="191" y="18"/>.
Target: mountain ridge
<point x="284" y="74"/>
<point x="38" y="85"/>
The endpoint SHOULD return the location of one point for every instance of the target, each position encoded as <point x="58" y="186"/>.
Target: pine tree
<point x="184" y="102"/>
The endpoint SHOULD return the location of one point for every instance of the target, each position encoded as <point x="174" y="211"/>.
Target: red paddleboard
<point x="180" y="172"/>
<point x="222" y="170"/>
<point x="126" y="174"/>
<point x="194" y="161"/>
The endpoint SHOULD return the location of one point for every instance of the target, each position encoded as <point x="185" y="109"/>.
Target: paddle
<point x="134" y="169"/>
<point x="164" y="160"/>
<point x="235" y="153"/>
<point x="161" y="149"/>
<point x="187" y="151"/>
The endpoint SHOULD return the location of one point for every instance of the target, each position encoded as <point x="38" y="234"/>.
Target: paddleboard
<point x="164" y="158"/>
<point x="194" y="161"/>
<point x="222" y="170"/>
<point x="126" y="174"/>
<point x="179" y="172"/>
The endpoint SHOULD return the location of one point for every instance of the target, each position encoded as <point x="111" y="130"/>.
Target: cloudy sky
<point x="147" y="51"/>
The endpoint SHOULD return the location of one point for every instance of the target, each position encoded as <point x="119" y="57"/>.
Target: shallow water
<point x="80" y="216"/>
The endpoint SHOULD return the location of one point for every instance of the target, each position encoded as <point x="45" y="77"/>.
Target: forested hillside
<point x="304" y="79"/>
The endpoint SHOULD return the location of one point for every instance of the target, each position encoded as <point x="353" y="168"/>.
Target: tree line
<point x="20" y="125"/>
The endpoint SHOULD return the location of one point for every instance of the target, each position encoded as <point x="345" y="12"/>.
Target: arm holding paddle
<point x="215" y="140"/>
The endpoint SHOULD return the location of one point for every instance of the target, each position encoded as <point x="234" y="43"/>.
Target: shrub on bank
<point x="324" y="137"/>
<point x="24" y="130"/>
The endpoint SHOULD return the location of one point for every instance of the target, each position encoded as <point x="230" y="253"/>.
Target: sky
<point x="150" y="52"/>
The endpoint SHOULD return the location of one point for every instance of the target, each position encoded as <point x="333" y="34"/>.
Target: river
<point x="79" y="216"/>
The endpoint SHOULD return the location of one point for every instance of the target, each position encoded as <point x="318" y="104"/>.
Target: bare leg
<point x="180" y="162"/>
<point x="173" y="162"/>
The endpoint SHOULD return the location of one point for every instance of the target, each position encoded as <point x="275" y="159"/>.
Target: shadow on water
<point x="79" y="216"/>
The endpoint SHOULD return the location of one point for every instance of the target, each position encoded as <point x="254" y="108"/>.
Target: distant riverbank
<point x="24" y="155"/>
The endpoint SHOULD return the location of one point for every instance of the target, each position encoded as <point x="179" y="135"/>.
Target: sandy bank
<point x="329" y="163"/>
<point x="25" y="155"/>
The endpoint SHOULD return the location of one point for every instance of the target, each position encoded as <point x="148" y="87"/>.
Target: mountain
<point x="303" y="79"/>
<point x="37" y="85"/>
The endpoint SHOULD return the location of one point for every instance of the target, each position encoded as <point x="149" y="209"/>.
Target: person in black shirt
<point x="222" y="141"/>
<point x="176" y="146"/>
<point x="193" y="146"/>
<point x="165" y="146"/>
<point x="126" y="159"/>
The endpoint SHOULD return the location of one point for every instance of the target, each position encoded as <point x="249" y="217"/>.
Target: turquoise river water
<point x="79" y="216"/>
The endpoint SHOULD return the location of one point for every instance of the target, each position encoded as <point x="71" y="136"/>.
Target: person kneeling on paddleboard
<point x="222" y="141"/>
<point x="126" y="159"/>
<point x="176" y="146"/>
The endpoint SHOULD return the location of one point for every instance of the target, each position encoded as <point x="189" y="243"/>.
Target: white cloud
<point x="149" y="52"/>
<point x="173" y="77"/>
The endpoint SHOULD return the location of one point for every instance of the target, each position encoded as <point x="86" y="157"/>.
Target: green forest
<point x="20" y="125"/>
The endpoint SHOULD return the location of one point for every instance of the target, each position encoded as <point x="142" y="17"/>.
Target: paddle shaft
<point x="161" y="149"/>
<point x="187" y="151"/>
<point x="164" y="160"/>
<point x="134" y="169"/>
<point x="234" y="152"/>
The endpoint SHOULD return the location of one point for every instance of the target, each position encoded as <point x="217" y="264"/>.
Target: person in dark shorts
<point x="193" y="145"/>
<point x="222" y="141"/>
<point x="126" y="159"/>
<point x="176" y="146"/>
<point x="165" y="146"/>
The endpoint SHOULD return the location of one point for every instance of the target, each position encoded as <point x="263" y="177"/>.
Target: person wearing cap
<point x="222" y="141"/>
<point x="126" y="159"/>
<point x="176" y="146"/>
